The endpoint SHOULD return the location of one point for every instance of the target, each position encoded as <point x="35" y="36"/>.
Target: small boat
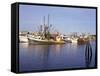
<point x="71" y="40"/>
<point x="77" y="40"/>
<point x="82" y="40"/>
<point x="23" y="37"/>
<point x="74" y="40"/>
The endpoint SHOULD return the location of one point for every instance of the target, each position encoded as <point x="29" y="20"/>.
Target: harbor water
<point x="58" y="56"/>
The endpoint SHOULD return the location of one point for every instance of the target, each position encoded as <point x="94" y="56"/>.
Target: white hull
<point x="40" y="41"/>
<point x="74" y="41"/>
<point x="23" y="39"/>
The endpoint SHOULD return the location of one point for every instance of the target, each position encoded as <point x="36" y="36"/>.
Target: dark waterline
<point x="46" y="57"/>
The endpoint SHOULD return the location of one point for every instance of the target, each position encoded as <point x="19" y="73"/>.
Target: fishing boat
<point x="75" y="40"/>
<point x="44" y="36"/>
<point x="83" y="40"/>
<point x="23" y="37"/>
<point x="35" y="40"/>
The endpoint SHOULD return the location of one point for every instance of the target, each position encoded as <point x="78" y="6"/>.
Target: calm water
<point x="44" y="57"/>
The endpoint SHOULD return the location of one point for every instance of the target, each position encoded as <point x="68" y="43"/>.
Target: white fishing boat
<point x="74" y="40"/>
<point x="44" y="36"/>
<point x="23" y="37"/>
<point x="40" y="40"/>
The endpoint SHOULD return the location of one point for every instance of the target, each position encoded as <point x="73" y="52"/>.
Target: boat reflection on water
<point x="24" y="45"/>
<point x="59" y="56"/>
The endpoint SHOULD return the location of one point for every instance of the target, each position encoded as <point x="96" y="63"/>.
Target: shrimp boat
<point x="44" y="36"/>
<point x="38" y="40"/>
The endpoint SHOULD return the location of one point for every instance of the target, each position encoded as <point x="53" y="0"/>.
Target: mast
<point x="44" y="20"/>
<point x="46" y="30"/>
<point x="48" y="19"/>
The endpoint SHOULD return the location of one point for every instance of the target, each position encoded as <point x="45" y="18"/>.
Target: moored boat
<point x="44" y="36"/>
<point x="82" y="40"/>
<point x="23" y="37"/>
<point x="33" y="40"/>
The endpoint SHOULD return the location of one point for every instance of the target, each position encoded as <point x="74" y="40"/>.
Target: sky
<point x="63" y="19"/>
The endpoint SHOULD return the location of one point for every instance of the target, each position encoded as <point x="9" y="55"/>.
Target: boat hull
<point x="36" y="41"/>
<point x="23" y="39"/>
